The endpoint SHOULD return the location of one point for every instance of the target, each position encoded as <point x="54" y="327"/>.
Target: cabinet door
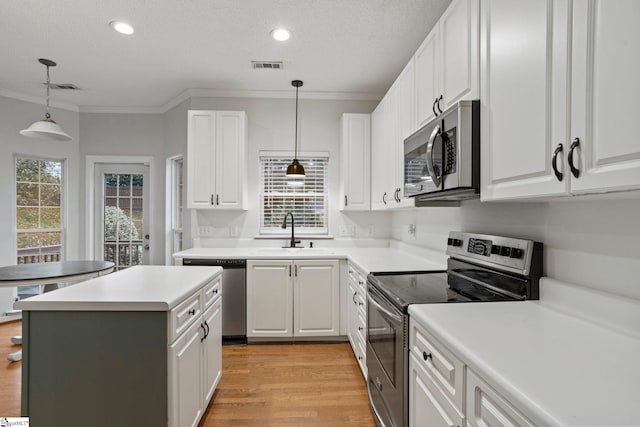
<point x="230" y="160"/>
<point x="459" y="35"/>
<point x="352" y="309"/>
<point x="185" y="378"/>
<point x="605" y="92"/>
<point x="427" y="85"/>
<point x="356" y="162"/>
<point x="405" y="126"/>
<point x="380" y="198"/>
<point x="485" y="407"/>
<point x="269" y="298"/>
<point x="212" y="350"/>
<point x="524" y="57"/>
<point x="427" y="405"/>
<point x="201" y="155"/>
<point x="316" y="295"/>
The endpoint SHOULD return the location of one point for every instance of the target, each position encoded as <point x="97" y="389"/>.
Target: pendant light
<point x="47" y="128"/>
<point x="295" y="171"/>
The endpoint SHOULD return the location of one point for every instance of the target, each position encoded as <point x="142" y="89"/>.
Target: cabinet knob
<point x="215" y="291"/>
<point x="426" y="355"/>
<point x="360" y="328"/>
<point x="192" y="312"/>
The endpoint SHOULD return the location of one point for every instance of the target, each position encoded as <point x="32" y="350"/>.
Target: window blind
<point x="307" y="202"/>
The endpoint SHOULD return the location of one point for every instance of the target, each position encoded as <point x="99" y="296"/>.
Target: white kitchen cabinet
<point x="578" y="64"/>
<point x="522" y="124"/>
<point x="355" y="175"/>
<point x="380" y="155"/>
<point x="447" y="62"/>
<point x="195" y="356"/>
<point x="604" y="93"/>
<point x="356" y="303"/>
<point x="292" y="298"/>
<point x="216" y="159"/>
<point x="485" y="407"/>
<point x="427" y="404"/>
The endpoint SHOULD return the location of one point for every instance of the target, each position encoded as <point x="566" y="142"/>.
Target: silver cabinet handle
<point x="432" y="173"/>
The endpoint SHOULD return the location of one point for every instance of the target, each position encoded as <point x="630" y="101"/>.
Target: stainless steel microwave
<point x="442" y="159"/>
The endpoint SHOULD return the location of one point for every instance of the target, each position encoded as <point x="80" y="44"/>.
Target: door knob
<point x="146" y="247"/>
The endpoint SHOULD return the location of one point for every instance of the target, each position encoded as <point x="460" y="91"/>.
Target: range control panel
<point x="515" y="255"/>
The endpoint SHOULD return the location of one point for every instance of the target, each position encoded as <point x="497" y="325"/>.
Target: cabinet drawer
<point x="361" y="356"/>
<point x="183" y="315"/>
<point x="486" y="407"/>
<point x="445" y="369"/>
<point x="212" y="290"/>
<point x="428" y="403"/>
<point x="362" y="328"/>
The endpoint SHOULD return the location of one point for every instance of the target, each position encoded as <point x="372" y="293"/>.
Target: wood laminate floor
<point x="262" y="385"/>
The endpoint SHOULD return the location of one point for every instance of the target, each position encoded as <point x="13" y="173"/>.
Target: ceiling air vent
<point x="63" y="86"/>
<point x="266" y="65"/>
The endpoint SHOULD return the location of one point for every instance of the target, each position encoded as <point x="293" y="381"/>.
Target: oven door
<point x="386" y="360"/>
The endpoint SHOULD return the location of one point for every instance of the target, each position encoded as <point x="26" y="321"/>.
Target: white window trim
<point x="90" y="169"/>
<point x="170" y="201"/>
<point x="300" y="231"/>
<point x="63" y="201"/>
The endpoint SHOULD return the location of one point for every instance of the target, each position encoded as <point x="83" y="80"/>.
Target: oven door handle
<point x="432" y="173"/>
<point x="394" y="316"/>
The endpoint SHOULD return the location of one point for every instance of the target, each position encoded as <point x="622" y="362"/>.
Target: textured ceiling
<point x="337" y="46"/>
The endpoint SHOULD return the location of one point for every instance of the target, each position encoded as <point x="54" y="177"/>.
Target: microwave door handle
<point x="393" y="316"/>
<point x="435" y="178"/>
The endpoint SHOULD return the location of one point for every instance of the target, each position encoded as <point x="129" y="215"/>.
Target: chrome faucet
<point x="293" y="226"/>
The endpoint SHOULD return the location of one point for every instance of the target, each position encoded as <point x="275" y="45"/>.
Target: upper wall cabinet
<point x="605" y="89"/>
<point x="216" y="160"/>
<point x="355" y="176"/>
<point x="528" y="148"/>
<point x="446" y="64"/>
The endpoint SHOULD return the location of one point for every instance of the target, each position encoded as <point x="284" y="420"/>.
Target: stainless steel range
<point x="480" y="268"/>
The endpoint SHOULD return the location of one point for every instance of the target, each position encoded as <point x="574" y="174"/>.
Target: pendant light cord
<point x="47" y="115"/>
<point x="295" y="154"/>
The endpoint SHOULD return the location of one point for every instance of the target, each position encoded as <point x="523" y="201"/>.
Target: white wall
<point x="271" y="127"/>
<point x="16" y="115"/>
<point x="589" y="242"/>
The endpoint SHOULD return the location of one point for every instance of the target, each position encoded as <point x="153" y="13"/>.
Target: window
<point x="307" y="202"/>
<point x="177" y="187"/>
<point x="39" y="216"/>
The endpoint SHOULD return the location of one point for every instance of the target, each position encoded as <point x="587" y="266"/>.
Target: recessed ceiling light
<point x="121" y="27"/>
<point x="280" y="34"/>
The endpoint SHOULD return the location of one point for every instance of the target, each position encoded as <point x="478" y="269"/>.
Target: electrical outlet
<point x="412" y="229"/>
<point x="205" y="230"/>
<point x="347" y="230"/>
<point x="233" y="231"/>
<point x="371" y="230"/>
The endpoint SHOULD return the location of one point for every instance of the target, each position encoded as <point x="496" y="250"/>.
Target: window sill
<point x="298" y="237"/>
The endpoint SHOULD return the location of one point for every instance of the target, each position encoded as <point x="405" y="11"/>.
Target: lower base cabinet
<point x="427" y="404"/>
<point x="293" y="298"/>
<point x="357" y="308"/>
<point x="195" y="368"/>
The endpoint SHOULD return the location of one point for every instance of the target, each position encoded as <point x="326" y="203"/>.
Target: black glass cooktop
<point x="425" y="287"/>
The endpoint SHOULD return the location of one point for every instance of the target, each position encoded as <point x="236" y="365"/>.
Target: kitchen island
<point x="138" y="347"/>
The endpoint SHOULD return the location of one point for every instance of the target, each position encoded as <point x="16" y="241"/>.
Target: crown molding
<point x="37" y="100"/>
<point x="199" y="93"/>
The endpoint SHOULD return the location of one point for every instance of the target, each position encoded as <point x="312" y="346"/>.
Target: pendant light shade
<point x="295" y="170"/>
<point x="46" y="128"/>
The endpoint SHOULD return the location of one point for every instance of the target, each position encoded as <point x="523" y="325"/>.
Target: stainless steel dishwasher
<point x="234" y="296"/>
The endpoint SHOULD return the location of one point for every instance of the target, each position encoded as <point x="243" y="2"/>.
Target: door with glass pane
<point x="122" y="207"/>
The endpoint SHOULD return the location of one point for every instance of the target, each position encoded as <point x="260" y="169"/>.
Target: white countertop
<point x="558" y="368"/>
<point x="139" y="288"/>
<point x="366" y="259"/>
